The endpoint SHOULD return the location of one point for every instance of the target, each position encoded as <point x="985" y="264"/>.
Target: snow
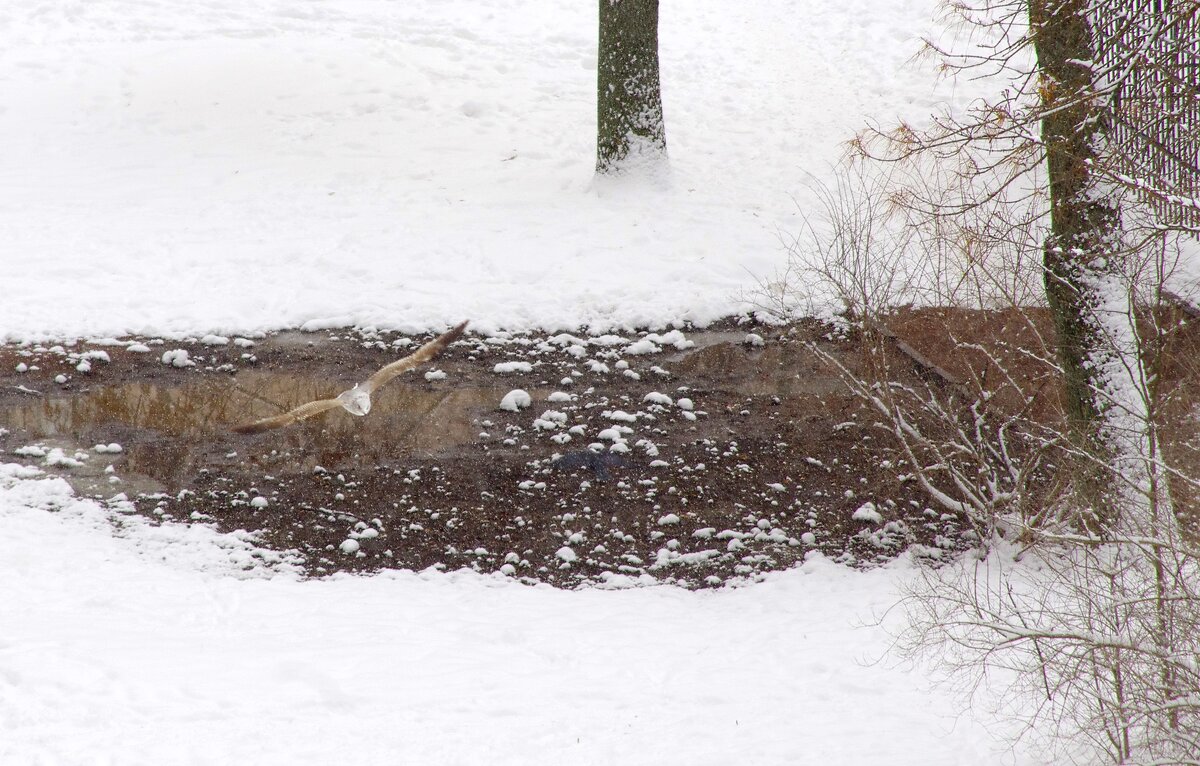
<point x="642" y="346"/>
<point x="216" y="169"/>
<point x="621" y="416"/>
<point x="177" y="358"/>
<point x="673" y="338"/>
<point x="166" y="652"/>
<point x="517" y="399"/>
<point x="57" y="457"/>
<point x="655" y="397"/>
<point x="614" y="433"/>
<point x="867" y="512"/>
<point x="551" y="420"/>
<point x="507" y="367"/>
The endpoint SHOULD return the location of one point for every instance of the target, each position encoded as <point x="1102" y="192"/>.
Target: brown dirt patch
<point x="771" y="461"/>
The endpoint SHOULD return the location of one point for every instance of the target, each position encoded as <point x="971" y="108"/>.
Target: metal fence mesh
<point x="1150" y="51"/>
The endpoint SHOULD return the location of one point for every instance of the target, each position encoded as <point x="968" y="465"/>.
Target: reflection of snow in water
<point x="194" y="420"/>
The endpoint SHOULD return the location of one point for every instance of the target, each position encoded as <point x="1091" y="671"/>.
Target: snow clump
<point x="616" y="433"/>
<point x="177" y="358"/>
<point x="504" y="367"/>
<point x="551" y="420"/>
<point x="643" y="346"/>
<point x="867" y="512"/>
<point x="57" y="457"/>
<point x="608" y="340"/>
<point x="673" y="338"/>
<point x="517" y="399"/>
<point x="621" y="416"/>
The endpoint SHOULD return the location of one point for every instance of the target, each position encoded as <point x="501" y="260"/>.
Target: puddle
<point x="436" y="476"/>
<point x="167" y="431"/>
<point x="174" y="429"/>
<point x="772" y="371"/>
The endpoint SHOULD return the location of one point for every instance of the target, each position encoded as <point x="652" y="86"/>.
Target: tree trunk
<point x="1082" y="250"/>
<point x="629" y="114"/>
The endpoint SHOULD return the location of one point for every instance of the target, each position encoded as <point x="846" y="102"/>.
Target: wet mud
<point x="697" y="457"/>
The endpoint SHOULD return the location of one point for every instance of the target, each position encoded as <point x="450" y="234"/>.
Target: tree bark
<point x="629" y="113"/>
<point x="1082" y="249"/>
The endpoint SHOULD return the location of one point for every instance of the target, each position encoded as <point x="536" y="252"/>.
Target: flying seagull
<point x="357" y="400"/>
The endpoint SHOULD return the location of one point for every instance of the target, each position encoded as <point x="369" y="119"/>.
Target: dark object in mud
<point x="596" y="462"/>
<point x="357" y="400"/>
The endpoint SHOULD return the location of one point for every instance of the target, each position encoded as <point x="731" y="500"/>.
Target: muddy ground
<point x="727" y="452"/>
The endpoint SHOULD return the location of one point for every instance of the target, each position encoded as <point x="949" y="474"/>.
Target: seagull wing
<point x="416" y="358"/>
<point x="291" y="416"/>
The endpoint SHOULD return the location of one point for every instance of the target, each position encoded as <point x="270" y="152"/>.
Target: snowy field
<point x="182" y="167"/>
<point x="147" y="649"/>
<point x="193" y="166"/>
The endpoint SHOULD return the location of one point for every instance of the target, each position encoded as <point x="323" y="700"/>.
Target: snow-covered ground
<point x="193" y="166"/>
<point x="147" y="648"/>
<point x="179" y="167"/>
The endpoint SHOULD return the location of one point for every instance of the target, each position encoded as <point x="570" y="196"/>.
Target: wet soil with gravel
<point x="691" y="456"/>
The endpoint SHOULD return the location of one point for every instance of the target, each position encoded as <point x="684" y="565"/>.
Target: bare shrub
<point x="1094" y="619"/>
<point x="1097" y="615"/>
<point x="855" y="258"/>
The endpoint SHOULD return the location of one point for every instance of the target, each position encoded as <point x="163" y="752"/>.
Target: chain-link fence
<point x="1149" y="51"/>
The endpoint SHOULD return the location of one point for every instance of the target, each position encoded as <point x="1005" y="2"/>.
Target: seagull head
<point x="356" y="401"/>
